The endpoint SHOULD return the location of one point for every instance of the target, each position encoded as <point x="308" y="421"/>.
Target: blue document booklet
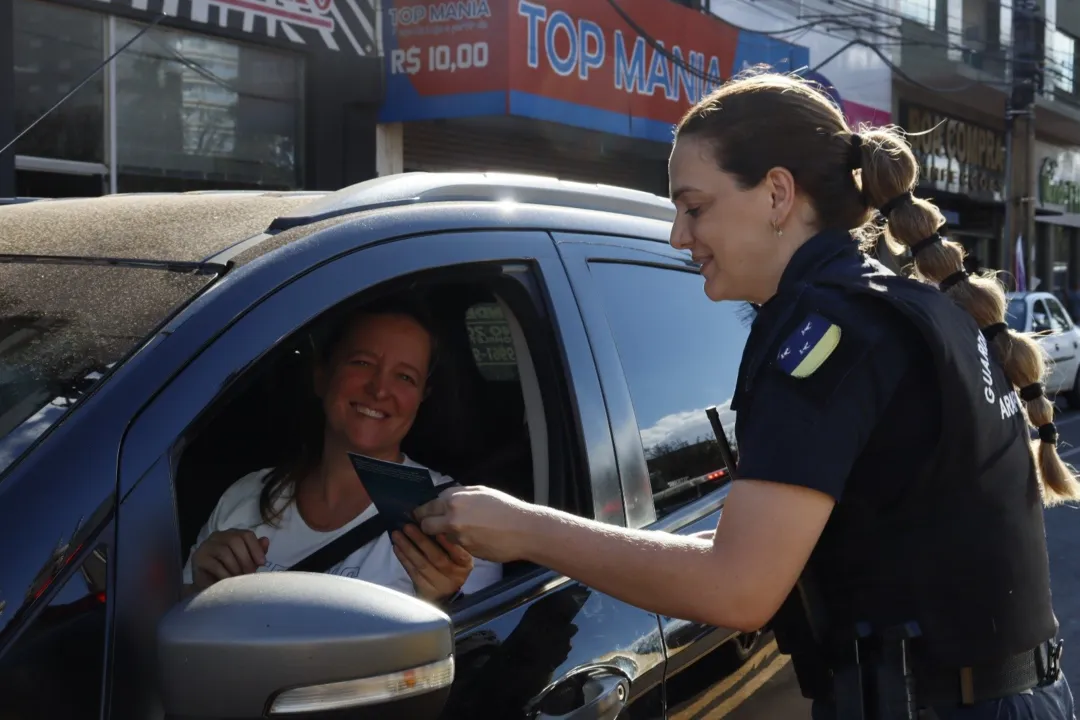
<point x="397" y="490"/>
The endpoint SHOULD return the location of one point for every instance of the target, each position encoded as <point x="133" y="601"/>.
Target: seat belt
<point x="337" y="550"/>
<point x="334" y="552"/>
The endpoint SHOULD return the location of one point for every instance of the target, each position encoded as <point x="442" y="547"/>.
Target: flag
<point x="808" y="346"/>
<point x="1021" y="275"/>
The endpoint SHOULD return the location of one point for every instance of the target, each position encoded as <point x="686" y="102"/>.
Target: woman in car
<point x="371" y="376"/>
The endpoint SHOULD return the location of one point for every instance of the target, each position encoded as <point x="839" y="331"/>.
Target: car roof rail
<point x="426" y="187"/>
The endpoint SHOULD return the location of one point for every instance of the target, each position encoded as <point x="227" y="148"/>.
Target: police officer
<point x="888" y="511"/>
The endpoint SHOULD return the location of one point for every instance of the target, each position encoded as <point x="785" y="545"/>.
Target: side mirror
<point x="301" y="645"/>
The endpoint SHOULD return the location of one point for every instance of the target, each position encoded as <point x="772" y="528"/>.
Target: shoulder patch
<point x="808" y="346"/>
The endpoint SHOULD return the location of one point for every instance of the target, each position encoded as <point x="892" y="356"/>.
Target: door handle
<point x="598" y="693"/>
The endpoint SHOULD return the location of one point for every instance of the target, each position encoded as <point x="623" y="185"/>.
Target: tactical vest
<point x="965" y="553"/>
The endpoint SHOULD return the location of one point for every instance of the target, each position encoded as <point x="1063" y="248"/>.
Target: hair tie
<point x="1034" y="391"/>
<point x="925" y="243"/>
<point x="992" y="331"/>
<point x="905" y="198"/>
<point x="855" y="152"/>
<point x="946" y="284"/>
<point x="1048" y="433"/>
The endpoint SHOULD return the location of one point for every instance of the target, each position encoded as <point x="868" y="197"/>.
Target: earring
<point x="777" y="229"/>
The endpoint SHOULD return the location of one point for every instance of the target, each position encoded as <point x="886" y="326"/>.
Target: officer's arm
<point x="797" y="446"/>
<point x="737" y="580"/>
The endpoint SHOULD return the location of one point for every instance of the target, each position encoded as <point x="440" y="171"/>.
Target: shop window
<point x="55" y="47"/>
<point x="681" y="353"/>
<point x="1060" y="56"/>
<point x="198" y="110"/>
<point x="921" y="11"/>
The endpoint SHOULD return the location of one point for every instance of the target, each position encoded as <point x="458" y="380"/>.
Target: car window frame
<point x="1036" y="302"/>
<point x="147" y="462"/>
<point x="1051" y="304"/>
<point x="578" y="251"/>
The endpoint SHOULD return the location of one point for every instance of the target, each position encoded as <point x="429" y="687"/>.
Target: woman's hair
<point x="306" y="449"/>
<point x="760" y="121"/>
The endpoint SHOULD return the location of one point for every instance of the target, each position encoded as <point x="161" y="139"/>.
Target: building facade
<point x="217" y="94"/>
<point x="585" y="90"/>
<point x="954" y="70"/>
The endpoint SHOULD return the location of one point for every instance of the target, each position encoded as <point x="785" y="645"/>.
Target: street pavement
<point x="778" y="694"/>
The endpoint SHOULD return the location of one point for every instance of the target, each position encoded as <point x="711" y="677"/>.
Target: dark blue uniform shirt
<point x="875" y="390"/>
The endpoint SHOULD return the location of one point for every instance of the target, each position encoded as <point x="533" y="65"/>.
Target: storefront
<point x="1057" y="220"/>
<point x="962" y="169"/>
<point x="219" y="94"/>
<point x="569" y="88"/>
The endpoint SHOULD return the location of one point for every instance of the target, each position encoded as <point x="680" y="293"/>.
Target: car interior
<point x="484" y="421"/>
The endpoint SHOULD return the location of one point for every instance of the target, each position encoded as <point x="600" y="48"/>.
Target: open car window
<point x="63" y="327"/>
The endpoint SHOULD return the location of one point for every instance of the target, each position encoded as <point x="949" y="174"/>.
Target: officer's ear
<point x="781" y="185"/>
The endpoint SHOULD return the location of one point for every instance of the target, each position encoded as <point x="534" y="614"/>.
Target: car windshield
<point x="1016" y="314"/>
<point x="63" y="327"/>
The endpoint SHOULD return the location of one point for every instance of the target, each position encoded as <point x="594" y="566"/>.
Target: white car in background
<point x="1042" y="313"/>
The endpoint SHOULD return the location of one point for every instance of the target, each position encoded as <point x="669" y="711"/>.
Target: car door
<point x="1042" y="324"/>
<point x="1065" y="343"/>
<point x="535" y="645"/>
<point x="666" y="353"/>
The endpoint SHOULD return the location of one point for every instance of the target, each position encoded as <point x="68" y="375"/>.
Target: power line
<point x="679" y="62"/>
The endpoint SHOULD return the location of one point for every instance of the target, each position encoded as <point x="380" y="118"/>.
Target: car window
<point x="1058" y="316"/>
<point x="62" y="328"/>
<point x="1040" y="318"/>
<point x="54" y="669"/>
<point x="680" y="352"/>
<point x="1016" y="315"/>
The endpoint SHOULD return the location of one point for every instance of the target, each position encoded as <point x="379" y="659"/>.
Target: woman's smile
<point x="369" y="411"/>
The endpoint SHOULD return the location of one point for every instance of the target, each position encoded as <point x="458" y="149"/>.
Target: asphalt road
<point x="1063" y="542"/>
<point x="779" y="697"/>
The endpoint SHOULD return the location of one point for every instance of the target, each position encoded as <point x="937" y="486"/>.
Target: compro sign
<point x="576" y="62"/>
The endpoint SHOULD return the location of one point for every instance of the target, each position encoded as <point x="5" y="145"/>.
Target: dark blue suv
<point x="153" y="350"/>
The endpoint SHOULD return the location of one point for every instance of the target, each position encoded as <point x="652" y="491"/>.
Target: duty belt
<point x="936" y="687"/>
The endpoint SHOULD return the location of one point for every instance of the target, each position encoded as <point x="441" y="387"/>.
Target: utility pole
<point x="1026" y="74"/>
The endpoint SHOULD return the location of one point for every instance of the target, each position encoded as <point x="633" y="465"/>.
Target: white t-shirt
<point x="292" y="539"/>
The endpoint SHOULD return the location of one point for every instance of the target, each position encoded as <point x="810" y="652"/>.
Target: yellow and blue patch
<point x="808" y="346"/>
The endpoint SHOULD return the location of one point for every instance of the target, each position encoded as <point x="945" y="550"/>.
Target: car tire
<point x="1072" y="397"/>
<point x="744" y="645"/>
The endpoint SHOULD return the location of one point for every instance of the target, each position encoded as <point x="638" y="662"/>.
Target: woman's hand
<point x="489" y="524"/>
<point x="225" y="554"/>
<point x="438" y="570"/>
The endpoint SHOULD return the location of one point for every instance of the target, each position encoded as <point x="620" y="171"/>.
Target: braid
<point x="889" y="172"/>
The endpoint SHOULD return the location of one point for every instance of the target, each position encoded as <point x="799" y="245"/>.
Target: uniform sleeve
<point x="809" y="429"/>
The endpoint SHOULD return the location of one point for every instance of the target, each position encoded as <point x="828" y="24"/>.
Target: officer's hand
<point x="489" y="524"/>
<point x="438" y="570"/>
<point x="225" y="554"/>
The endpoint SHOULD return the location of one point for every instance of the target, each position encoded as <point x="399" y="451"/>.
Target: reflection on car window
<point x="62" y="327"/>
<point x="1057" y="316"/>
<point x="681" y="355"/>
<point x="491" y="342"/>
<point x="55" y="668"/>
<point x="1016" y="315"/>
<point x="1040" y="318"/>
